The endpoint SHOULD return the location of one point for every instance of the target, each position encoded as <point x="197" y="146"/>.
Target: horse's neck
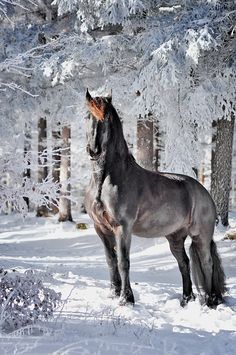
<point x="120" y="149"/>
<point x="114" y="159"/>
<point x="112" y="163"/>
<point x="98" y="176"/>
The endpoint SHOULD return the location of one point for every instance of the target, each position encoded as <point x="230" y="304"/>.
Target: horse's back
<point x="170" y="202"/>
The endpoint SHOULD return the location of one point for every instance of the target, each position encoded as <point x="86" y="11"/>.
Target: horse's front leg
<point x="109" y="243"/>
<point x="123" y="241"/>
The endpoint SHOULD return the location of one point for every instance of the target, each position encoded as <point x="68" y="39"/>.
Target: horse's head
<point x="99" y="106"/>
<point x="98" y="127"/>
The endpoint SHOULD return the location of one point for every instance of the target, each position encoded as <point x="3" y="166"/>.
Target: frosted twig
<point x="14" y="87"/>
<point x="7" y="17"/>
<point x="63" y="305"/>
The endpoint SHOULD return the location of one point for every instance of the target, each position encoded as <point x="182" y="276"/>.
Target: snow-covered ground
<point x="90" y="323"/>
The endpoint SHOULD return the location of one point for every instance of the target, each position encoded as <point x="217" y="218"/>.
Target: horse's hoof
<point x="185" y="299"/>
<point x="114" y="293"/>
<point x="125" y="302"/>
<point x="217" y="299"/>
<point x="126" y="299"/>
<point x="213" y="301"/>
<point x="210" y="303"/>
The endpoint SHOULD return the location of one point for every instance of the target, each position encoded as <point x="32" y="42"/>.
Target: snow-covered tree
<point x="173" y="53"/>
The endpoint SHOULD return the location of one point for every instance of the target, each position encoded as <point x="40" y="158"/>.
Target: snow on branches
<point x="15" y="187"/>
<point x="6" y="7"/>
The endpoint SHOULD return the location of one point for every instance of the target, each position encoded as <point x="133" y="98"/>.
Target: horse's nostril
<point x="88" y="149"/>
<point x="92" y="153"/>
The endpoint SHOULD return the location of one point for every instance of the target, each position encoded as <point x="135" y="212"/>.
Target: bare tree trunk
<point x="195" y="137"/>
<point x="65" y="172"/>
<point x="158" y="147"/>
<point x="42" y="160"/>
<point x="56" y="158"/>
<point x="201" y="176"/>
<point x="222" y="166"/>
<point x="145" y="142"/>
<point x="27" y="172"/>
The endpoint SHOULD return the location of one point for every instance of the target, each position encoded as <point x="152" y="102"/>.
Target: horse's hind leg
<point x="109" y="243"/>
<point x="202" y="264"/>
<point x="207" y="268"/>
<point x="176" y="242"/>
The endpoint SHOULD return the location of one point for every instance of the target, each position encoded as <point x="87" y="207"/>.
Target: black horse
<point x="123" y="198"/>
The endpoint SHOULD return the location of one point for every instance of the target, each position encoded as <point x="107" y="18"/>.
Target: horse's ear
<point x="88" y="96"/>
<point x="109" y="97"/>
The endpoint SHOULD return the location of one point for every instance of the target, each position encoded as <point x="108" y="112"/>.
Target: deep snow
<point x="90" y="323"/>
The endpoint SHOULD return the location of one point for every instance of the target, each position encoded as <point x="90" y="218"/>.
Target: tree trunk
<point x="42" y="160"/>
<point x="56" y="158"/>
<point x="145" y="142"/>
<point x="65" y="172"/>
<point x="158" y="146"/>
<point x="201" y="177"/>
<point x="222" y="165"/>
<point x="27" y="172"/>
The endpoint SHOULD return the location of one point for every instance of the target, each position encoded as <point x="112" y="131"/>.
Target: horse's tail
<point x="218" y="276"/>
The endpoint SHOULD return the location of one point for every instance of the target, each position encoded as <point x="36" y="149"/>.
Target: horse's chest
<point x="102" y="206"/>
<point x="109" y="194"/>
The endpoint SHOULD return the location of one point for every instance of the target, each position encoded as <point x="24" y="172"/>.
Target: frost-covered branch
<point x="26" y="65"/>
<point x="15" y="187"/>
<point x="15" y="87"/>
<point x="34" y="56"/>
<point x="6" y="5"/>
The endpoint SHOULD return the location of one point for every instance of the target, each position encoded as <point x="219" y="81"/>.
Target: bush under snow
<point x="24" y="299"/>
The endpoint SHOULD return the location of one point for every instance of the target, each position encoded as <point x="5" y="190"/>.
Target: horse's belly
<point x="156" y="232"/>
<point x="153" y="226"/>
